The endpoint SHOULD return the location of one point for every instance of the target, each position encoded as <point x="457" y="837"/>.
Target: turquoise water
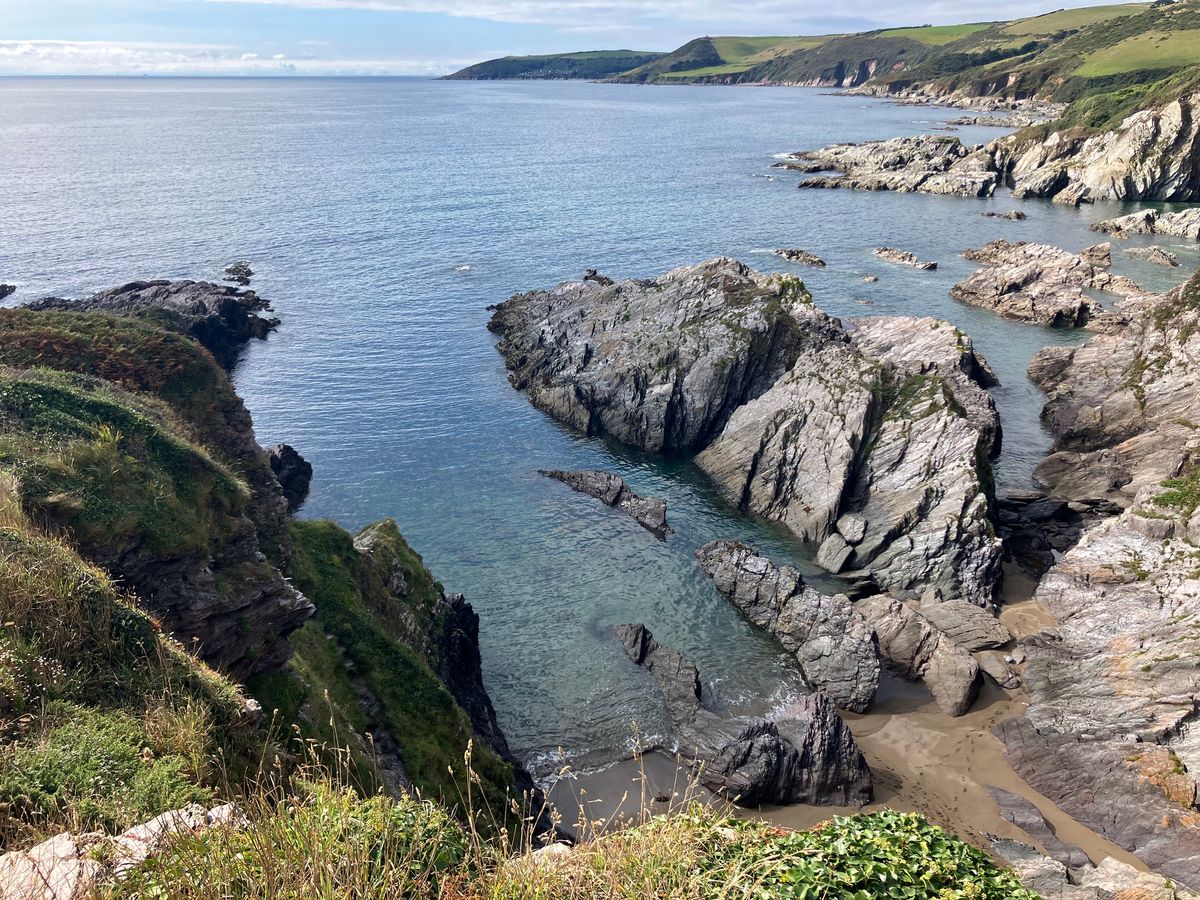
<point x="383" y="216"/>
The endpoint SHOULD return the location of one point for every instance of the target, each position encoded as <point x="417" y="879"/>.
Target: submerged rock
<point x="803" y="257"/>
<point x="293" y="472"/>
<point x="1156" y="255"/>
<point x="239" y="273"/>
<point x="903" y="258"/>
<point x="1042" y="284"/>
<point x="659" y="364"/>
<point x="836" y="443"/>
<point x="931" y="164"/>
<point x="833" y="644"/>
<point x="219" y="316"/>
<point x="808" y="755"/>
<point x="1012" y="215"/>
<point x="611" y="490"/>
<point x="919" y="651"/>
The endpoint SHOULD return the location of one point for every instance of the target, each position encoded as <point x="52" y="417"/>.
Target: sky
<point x="413" y="37"/>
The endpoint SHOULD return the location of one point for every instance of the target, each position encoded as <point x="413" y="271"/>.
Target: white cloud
<point x="41" y="57"/>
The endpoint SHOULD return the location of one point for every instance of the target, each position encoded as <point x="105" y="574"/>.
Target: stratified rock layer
<point x="832" y="643"/>
<point x="611" y="490"/>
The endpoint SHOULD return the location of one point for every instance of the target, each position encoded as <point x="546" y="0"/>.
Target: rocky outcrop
<point x="803" y="257"/>
<point x="1151" y="155"/>
<point x="1020" y="812"/>
<point x="832" y="644"/>
<point x="931" y="164"/>
<point x="808" y="755"/>
<point x="1156" y="255"/>
<point x="7" y="290"/>
<point x="1014" y="215"/>
<point x="659" y="364"/>
<point x="1184" y="223"/>
<point x="219" y="316"/>
<point x="1042" y="284"/>
<point x="239" y="273"/>
<point x="903" y="258"/>
<point x="1123" y="407"/>
<point x="293" y="472"/>
<point x="919" y="651"/>
<point x="1110" y="880"/>
<point x="611" y="490"/>
<point x="874" y="448"/>
<point x="967" y="625"/>
<point x="1099" y="255"/>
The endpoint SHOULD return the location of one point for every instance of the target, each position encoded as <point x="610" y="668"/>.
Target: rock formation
<point x="1110" y="880"/>
<point x="1184" y="223"/>
<point x="293" y="472"/>
<point x="1028" y="818"/>
<point x="931" y="164"/>
<point x="874" y="448"/>
<point x="803" y="257"/>
<point x="219" y="316"/>
<point x="967" y="625"/>
<point x="1122" y="406"/>
<point x="1099" y="255"/>
<point x="7" y="290"/>
<point x="808" y="755"/>
<point x="239" y="273"/>
<point x="659" y="364"/>
<point x="1156" y="255"/>
<point x="611" y="490"/>
<point x="919" y="651"/>
<point x="833" y="644"/>
<point x="903" y="258"/>
<point x="1042" y="284"/>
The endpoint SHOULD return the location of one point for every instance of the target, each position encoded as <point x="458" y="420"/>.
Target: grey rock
<point x="903" y="258"/>
<point x="596" y="278"/>
<point x="1047" y="877"/>
<point x="1012" y="216"/>
<point x="1184" y="223"/>
<point x="611" y="490"/>
<point x="1020" y="812"/>
<point x="833" y="645"/>
<point x="659" y="364"/>
<point x="7" y="290"/>
<point x="219" y="316"/>
<point x="852" y="527"/>
<point x="293" y="472"/>
<point x="919" y="651"/>
<point x="239" y="273"/>
<point x="996" y="666"/>
<point x="833" y="553"/>
<point x="803" y="257"/>
<point x="1099" y="255"/>
<point x="807" y="756"/>
<point x="1039" y="283"/>
<point x="967" y="625"/>
<point x="870" y="279"/>
<point x="1156" y="255"/>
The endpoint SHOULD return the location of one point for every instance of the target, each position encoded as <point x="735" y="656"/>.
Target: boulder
<point x="1156" y="255"/>
<point x="611" y="490"/>
<point x="919" y="651"/>
<point x="659" y="364"/>
<point x="832" y="644"/>
<point x="903" y="258"/>
<point x="219" y="316"/>
<point x="1099" y="255"/>
<point x="293" y="472"/>
<point x="1039" y="283"/>
<point x="967" y="625"/>
<point x="808" y="755"/>
<point x="803" y="257"/>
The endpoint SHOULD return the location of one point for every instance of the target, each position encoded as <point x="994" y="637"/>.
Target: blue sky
<point x="411" y="37"/>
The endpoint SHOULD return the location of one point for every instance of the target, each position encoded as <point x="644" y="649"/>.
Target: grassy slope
<point x="584" y="64"/>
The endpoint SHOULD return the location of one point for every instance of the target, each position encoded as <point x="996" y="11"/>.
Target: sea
<point x="383" y="216"/>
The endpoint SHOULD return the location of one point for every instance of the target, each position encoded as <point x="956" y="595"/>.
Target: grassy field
<point x="1065" y="19"/>
<point x="1153" y="50"/>
<point x="936" y="35"/>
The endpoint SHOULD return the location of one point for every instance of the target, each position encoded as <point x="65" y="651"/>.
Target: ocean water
<point x="382" y="217"/>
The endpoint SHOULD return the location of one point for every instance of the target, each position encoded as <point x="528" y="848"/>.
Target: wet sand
<point x="922" y="760"/>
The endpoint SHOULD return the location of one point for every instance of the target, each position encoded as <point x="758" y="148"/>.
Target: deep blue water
<point x="383" y="216"/>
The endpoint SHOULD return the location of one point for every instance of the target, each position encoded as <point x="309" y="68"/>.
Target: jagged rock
<point x="293" y="472"/>
<point x="995" y="665"/>
<point x="832" y="644"/>
<point x="1028" y="818"/>
<point x="836" y="435"/>
<point x="1119" y="788"/>
<point x="1117" y="880"/>
<point x="611" y="490"/>
<point x="931" y="164"/>
<point x="219" y="316"/>
<point x="870" y="279"/>
<point x="239" y="273"/>
<point x="1099" y="255"/>
<point x="1122" y="406"/>
<point x="803" y="257"/>
<point x="966" y="624"/>
<point x="919" y="651"/>
<point x="807" y="756"/>
<point x="7" y="290"/>
<point x="1047" y="877"/>
<point x="1156" y="255"/>
<point x="1151" y="155"/>
<point x="903" y="258"/>
<point x="1012" y="216"/>
<point x="1185" y="223"/>
<point x="659" y="364"/>
<point x="596" y="278"/>
<point x="1039" y="283"/>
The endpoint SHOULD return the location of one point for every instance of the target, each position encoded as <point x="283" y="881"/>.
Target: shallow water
<point x="383" y="216"/>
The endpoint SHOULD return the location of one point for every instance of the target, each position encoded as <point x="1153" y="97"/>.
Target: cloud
<point x="43" y="57"/>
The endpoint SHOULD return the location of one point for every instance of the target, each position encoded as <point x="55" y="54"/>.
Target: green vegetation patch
<point x="936" y="35"/>
<point x="1153" y="50"/>
<point x="1069" y="19"/>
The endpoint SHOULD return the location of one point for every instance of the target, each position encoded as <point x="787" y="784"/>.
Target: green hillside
<point x="585" y="64"/>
